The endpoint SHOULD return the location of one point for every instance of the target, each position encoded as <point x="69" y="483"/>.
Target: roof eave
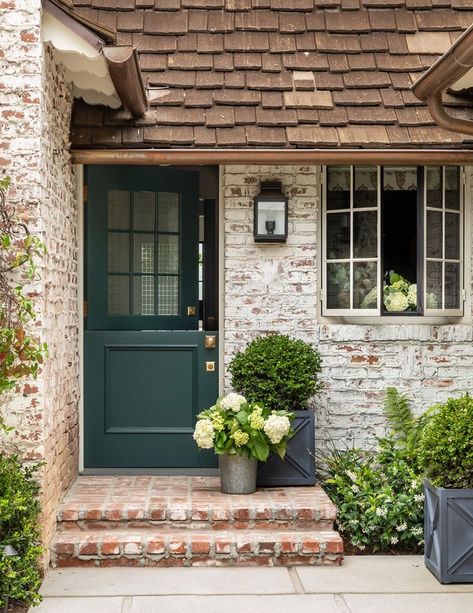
<point x="91" y="31"/>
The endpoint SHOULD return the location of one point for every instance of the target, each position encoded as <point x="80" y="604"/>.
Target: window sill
<point x="379" y="320"/>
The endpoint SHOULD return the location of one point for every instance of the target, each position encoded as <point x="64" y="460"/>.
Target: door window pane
<point x="365" y="234"/>
<point x="434" y="186"/>
<point x="433" y="285"/>
<point x="365" y="285"/>
<point x="338" y="187"/>
<point x="168" y="212"/>
<point x="365" y="193"/>
<point x="118" y="295"/>
<point x="168" y="296"/>
<point x="338" y="236"/>
<point x="452" y="236"/>
<point x="143" y="295"/>
<point x="452" y="187"/>
<point x="143" y="253"/>
<point x="434" y="234"/>
<point x="168" y="254"/>
<point x="118" y="210"/>
<point x="452" y="285"/>
<point x="118" y="252"/>
<point x="338" y="285"/>
<point x="144" y="211"/>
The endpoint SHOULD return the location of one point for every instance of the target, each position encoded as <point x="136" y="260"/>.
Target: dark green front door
<point x="146" y="373"/>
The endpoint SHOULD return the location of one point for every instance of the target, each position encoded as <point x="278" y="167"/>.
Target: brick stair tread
<point x="124" y="547"/>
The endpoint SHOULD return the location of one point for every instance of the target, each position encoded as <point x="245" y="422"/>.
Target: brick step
<point x="124" y="503"/>
<point x="197" y="548"/>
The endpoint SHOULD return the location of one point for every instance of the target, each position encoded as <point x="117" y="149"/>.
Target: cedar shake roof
<point x="278" y="73"/>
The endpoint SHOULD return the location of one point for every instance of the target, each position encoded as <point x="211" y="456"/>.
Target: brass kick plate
<point x="210" y="342"/>
<point x="210" y="366"/>
<point x="190" y="311"/>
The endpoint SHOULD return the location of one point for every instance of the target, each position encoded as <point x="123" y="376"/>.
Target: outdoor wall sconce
<point x="270" y="214"/>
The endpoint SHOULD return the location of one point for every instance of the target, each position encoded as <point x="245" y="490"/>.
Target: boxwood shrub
<point x="19" y="512"/>
<point x="277" y="371"/>
<point x="445" y="448"/>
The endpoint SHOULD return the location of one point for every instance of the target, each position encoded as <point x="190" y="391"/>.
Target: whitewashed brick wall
<point x="274" y="288"/>
<point x="35" y="107"/>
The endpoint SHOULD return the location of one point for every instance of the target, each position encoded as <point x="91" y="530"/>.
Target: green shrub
<point x="445" y="449"/>
<point x="277" y="371"/>
<point x="379" y="498"/>
<point x="19" y="511"/>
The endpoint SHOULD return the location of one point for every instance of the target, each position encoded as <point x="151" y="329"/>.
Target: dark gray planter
<point x="448" y="530"/>
<point x="298" y="467"/>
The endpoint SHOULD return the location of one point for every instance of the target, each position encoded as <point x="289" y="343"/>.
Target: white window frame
<point x="377" y="313"/>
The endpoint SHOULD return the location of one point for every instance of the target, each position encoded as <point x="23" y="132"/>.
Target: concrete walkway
<point x="370" y="584"/>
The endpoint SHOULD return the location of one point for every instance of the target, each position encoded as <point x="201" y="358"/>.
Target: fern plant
<point x="405" y="427"/>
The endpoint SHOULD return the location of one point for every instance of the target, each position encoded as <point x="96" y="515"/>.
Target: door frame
<point x="81" y="252"/>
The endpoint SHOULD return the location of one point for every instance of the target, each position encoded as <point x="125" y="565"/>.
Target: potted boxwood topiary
<point x="445" y="453"/>
<point x="281" y="373"/>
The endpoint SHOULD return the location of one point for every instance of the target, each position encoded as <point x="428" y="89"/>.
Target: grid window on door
<point x="143" y="250"/>
<point x="392" y="242"/>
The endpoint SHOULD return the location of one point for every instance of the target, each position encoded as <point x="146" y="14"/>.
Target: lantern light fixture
<point x="270" y="214"/>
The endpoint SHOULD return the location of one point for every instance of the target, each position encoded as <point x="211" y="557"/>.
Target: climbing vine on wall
<point x="21" y="353"/>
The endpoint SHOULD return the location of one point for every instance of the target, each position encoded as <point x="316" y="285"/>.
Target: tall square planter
<point x="448" y="530"/>
<point x="298" y="466"/>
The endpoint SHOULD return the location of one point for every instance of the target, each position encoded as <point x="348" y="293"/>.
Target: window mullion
<point x="352" y="187"/>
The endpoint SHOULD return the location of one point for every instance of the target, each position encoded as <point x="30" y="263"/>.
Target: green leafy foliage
<point x="246" y="429"/>
<point x="277" y="371"/>
<point x="20" y="353"/>
<point x="379" y="492"/>
<point x="445" y="450"/>
<point x="19" y="512"/>
<point x="378" y="495"/>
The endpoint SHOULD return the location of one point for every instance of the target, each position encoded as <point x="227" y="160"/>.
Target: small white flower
<point x="352" y="475"/>
<point x="232" y="402"/>
<point x="204" y="434"/>
<point x="414" y="485"/>
<point x="381" y="512"/>
<point x="355" y="488"/>
<point x="417" y="531"/>
<point x="361" y="547"/>
<point x="419" y="497"/>
<point x="277" y="427"/>
<point x="402" y="527"/>
<point x="394" y="540"/>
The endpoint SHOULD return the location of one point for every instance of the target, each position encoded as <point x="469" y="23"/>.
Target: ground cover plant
<point x="379" y="492"/>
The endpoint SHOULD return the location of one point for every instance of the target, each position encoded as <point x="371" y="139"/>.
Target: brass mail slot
<point x="190" y="311"/>
<point x="210" y="366"/>
<point x="210" y="341"/>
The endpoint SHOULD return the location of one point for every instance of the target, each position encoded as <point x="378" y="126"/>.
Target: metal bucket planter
<point x="237" y="474"/>
<point x="448" y="530"/>
<point x="298" y="466"/>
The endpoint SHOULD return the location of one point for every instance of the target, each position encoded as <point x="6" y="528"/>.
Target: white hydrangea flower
<point x="204" y="434"/>
<point x="412" y="295"/>
<point x="431" y="301"/>
<point x="394" y="540"/>
<point x="396" y="302"/>
<point x="277" y="427"/>
<point x="232" y="402"/>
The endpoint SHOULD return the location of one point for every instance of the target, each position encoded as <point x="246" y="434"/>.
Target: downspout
<point x="446" y="121"/>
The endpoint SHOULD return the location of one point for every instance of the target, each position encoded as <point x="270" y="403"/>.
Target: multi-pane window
<point x="392" y="241"/>
<point x="143" y="263"/>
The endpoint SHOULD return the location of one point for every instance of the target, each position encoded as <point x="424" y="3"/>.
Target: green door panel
<point x="143" y="392"/>
<point x="142" y="226"/>
<point x="145" y="376"/>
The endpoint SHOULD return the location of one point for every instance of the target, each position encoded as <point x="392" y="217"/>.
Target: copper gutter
<point x="182" y="157"/>
<point x="446" y="71"/>
<point x="125" y="73"/>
